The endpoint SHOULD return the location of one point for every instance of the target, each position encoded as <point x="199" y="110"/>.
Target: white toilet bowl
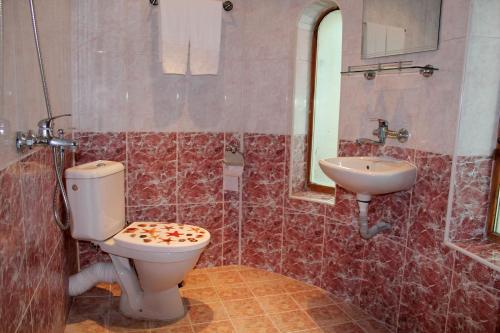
<point x="162" y="254"/>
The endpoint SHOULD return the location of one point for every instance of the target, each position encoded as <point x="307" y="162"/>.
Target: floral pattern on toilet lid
<point x="158" y="234"/>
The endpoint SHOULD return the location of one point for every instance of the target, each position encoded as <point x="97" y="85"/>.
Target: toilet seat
<point x="162" y="237"/>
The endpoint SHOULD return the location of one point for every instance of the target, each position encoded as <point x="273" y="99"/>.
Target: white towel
<point x="205" y="36"/>
<point x="190" y="27"/>
<point x="174" y="35"/>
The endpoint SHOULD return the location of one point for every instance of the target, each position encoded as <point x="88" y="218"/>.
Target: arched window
<point x="324" y="99"/>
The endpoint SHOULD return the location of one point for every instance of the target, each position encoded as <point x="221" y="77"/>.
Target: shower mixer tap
<point x="383" y="132"/>
<point x="45" y="136"/>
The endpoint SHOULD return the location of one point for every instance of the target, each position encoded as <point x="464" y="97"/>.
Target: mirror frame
<point x="494" y="198"/>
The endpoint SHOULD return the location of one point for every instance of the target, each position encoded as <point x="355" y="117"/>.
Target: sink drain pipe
<point x="90" y="276"/>
<point x="364" y="231"/>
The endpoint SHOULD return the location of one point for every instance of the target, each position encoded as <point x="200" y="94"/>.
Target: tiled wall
<point x="36" y="258"/>
<point x="405" y="277"/>
<point x="471" y="198"/>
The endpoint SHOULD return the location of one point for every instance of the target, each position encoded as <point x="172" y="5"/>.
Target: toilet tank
<point x="96" y="192"/>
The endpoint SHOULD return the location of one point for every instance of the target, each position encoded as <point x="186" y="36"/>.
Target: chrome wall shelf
<point x="371" y="71"/>
<point x="227" y="5"/>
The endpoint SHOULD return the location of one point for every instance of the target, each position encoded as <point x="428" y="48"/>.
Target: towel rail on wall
<point x="227" y="5"/>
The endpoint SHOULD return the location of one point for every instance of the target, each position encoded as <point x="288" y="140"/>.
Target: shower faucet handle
<point x="47" y="122"/>
<point x="46" y="125"/>
<point x="381" y="122"/>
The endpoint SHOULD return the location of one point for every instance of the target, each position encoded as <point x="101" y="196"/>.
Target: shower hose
<point x="57" y="152"/>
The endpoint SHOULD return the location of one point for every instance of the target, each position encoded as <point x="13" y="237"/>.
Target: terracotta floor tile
<point x="115" y="289"/>
<point x="266" y="288"/>
<point x="277" y="303"/>
<point x="342" y="328"/>
<point x="293" y="286"/>
<point x="328" y="315"/>
<point x="85" y="326"/>
<point x="204" y="313"/>
<point x="89" y="310"/>
<point x="257" y="301"/>
<point x="258" y="275"/>
<point x="118" y="322"/>
<point x="226" y="278"/>
<point x="157" y="325"/>
<point x="234" y="292"/>
<point x="200" y="295"/>
<point x="100" y="290"/>
<point x="243" y="308"/>
<point x="261" y="324"/>
<point x="292" y="321"/>
<point x="196" y="281"/>
<point x="312" y="298"/>
<point x="179" y="329"/>
<point x="214" y="327"/>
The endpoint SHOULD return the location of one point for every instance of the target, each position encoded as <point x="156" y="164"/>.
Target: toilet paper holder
<point x="233" y="157"/>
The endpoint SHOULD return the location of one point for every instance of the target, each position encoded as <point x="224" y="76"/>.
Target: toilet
<point x="150" y="258"/>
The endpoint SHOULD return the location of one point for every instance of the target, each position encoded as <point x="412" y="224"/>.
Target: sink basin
<point x="367" y="176"/>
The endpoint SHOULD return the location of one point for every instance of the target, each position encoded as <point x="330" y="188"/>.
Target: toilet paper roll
<point x="232" y="170"/>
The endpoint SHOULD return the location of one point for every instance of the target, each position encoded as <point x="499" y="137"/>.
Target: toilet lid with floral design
<point x="162" y="237"/>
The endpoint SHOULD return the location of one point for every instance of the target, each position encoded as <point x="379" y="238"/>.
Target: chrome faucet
<point x="45" y="136"/>
<point x="383" y="132"/>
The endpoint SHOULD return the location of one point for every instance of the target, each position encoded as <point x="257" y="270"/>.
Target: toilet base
<point x="165" y="306"/>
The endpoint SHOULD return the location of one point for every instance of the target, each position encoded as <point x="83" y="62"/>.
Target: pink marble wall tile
<point x="210" y="217"/>
<point x="232" y="139"/>
<point x="475" y="297"/>
<point x="345" y="208"/>
<point x="399" y="153"/>
<point x="152" y="167"/>
<point x="94" y="146"/>
<point x="486" y="249"/>
<point x="163" y="213"/>
<point x="262" y="237"/>
<point x="32" y="248"/>
<point x="14" y="278"/>
<point x="350" y="148"/>
<point x="200" y="167"/>
<point x="26" y="325"/>
<point x="230" y="253"/>
<point x="303" y="238"/>
<point x="428" y="207"/>
<point x="299" y="163"/>
<point x="304" y="206"/>
<point x="90" y="254"/>
<point x="342" y="260"/>
<point x="382" y="278"/>
<point x="42" y="308"/>
<point x="394" y="209"/>
<point x="475" y="271"/>
<point x="264" y="174"/>
<point x="37" y="213"/>
<point x="57" y="283"/>
<point x="471" y="197"/>
<point x="425" y="295"/>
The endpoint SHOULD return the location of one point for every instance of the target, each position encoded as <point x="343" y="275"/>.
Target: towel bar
<point x="227" y="5"/>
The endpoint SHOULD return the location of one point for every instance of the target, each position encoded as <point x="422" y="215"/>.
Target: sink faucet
<point x="45" y="136"/>
<point x="383" y="132"/>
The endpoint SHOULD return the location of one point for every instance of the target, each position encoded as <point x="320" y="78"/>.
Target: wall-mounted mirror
<point x="400" y="26"/>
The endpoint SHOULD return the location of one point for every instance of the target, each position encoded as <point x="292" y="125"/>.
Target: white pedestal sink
<point x="367" y="176"/>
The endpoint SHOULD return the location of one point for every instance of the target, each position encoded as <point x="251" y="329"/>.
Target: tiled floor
<point x="229" y="299"/>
